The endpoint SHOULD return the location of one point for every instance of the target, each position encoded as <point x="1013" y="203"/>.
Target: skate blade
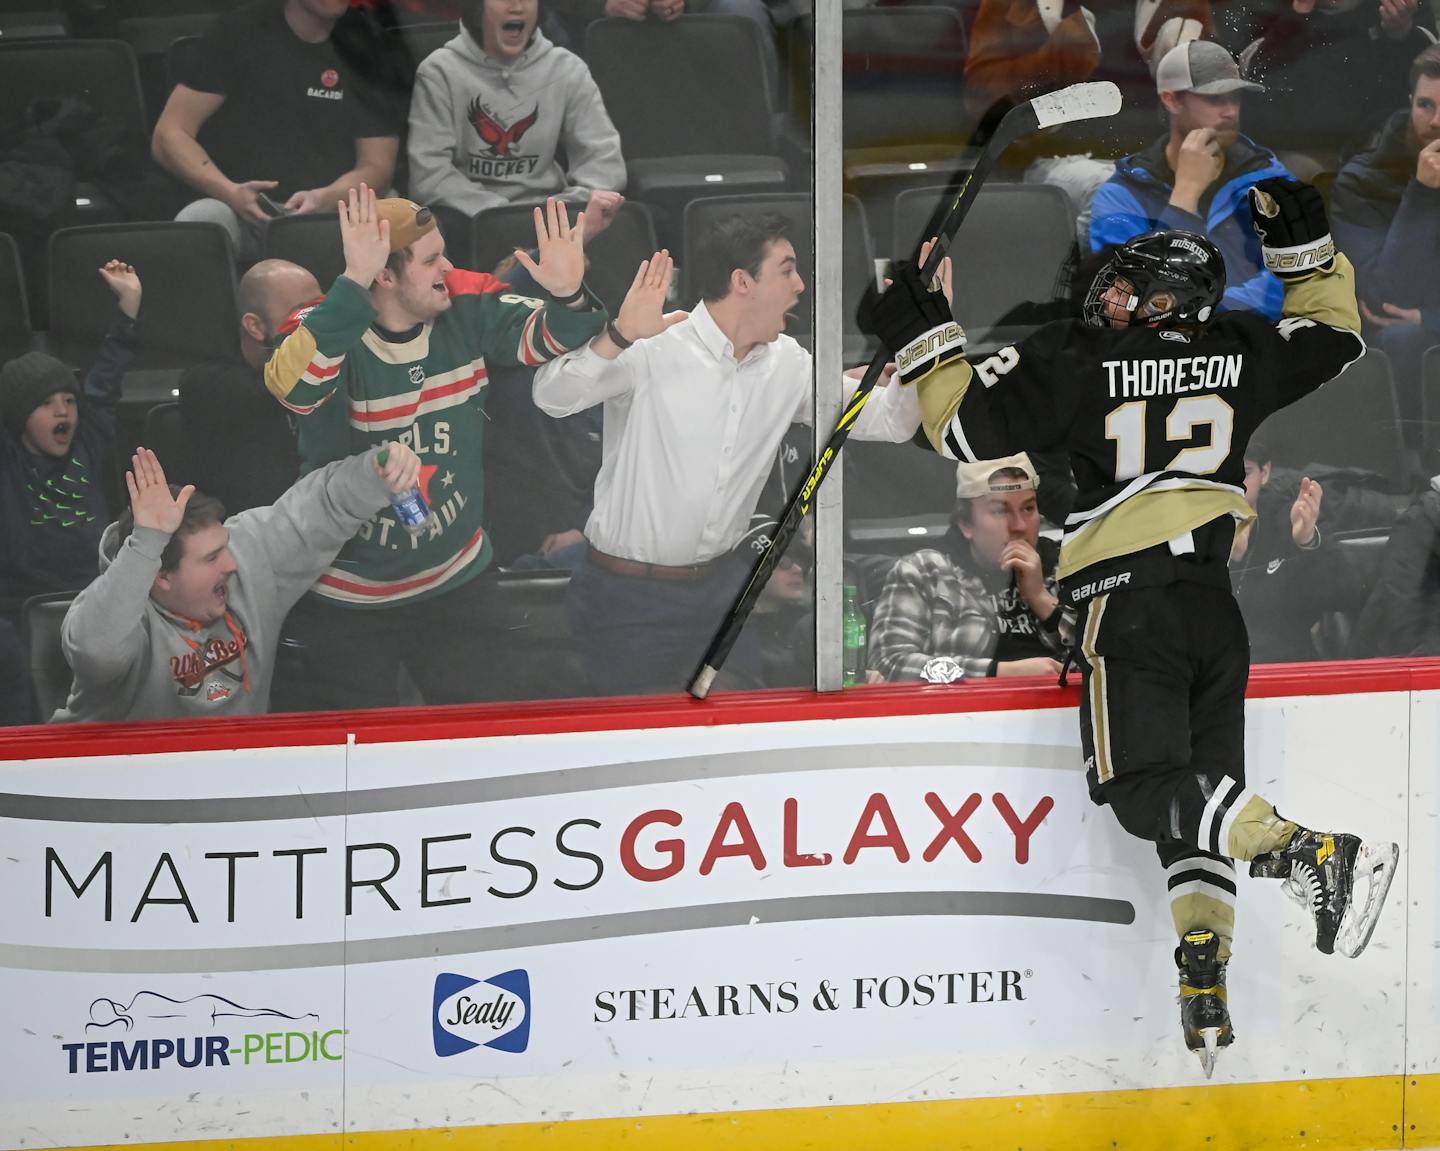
<point x="1207" y="1057"/>
<point x="1375" y="865"/>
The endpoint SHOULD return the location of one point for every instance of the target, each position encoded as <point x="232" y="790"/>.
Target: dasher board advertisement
<point x="644" y="922"/>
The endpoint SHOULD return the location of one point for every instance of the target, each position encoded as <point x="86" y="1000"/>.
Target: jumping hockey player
<point x="1154" y="397"/>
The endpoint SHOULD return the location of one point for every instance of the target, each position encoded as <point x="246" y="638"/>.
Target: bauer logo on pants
<point x="472" y="1013"/>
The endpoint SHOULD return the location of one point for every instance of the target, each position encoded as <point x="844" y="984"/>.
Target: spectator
<point x="1286" y="575"/>
<point x="399" y="346"/>
<point x="986" y="605"/>
<point x="240" y="443"/>
<point x="184" y="619"/>
<point x="1386" y="204"/>
<point x="1332" y="69"/>
<point x="269" y="117"/>
<point x="695" y="407"/>
<point x="1402" y="617"/>
<point x="1196" y="177"/>
<point x="52" y="455"/>
<point x="499" y="114"/>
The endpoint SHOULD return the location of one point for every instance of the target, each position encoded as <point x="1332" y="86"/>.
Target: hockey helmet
<point x="1185" y="267"/>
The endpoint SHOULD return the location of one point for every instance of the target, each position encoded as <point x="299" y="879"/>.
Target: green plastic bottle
<point x="854" y="637"/>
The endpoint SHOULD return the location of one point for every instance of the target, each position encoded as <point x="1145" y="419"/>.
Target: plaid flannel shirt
<point x="932" y="606"/>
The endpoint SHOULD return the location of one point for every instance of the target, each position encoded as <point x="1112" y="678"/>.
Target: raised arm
<point x="304" y="371"/>
<point x="104" y="635"/>
<point x="604" y="368"/>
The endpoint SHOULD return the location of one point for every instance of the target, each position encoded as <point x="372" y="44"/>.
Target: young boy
<point x="52" y="449"/>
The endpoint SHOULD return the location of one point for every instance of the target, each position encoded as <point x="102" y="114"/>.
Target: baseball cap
<point x="1201" y="66"/>
<point x="979" y="479"/>
<point x="408" y="220"/>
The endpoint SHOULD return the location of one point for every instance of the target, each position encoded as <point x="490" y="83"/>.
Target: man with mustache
<point x="1195" y="177"/>
<point x="695" y="406"/>
<point x="1387" y="215"/>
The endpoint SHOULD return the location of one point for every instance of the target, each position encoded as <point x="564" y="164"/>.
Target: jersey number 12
<point x="1126" y="426"/>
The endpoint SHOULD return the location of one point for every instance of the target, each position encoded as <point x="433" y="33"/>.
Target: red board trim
<point x="548" y="717"/>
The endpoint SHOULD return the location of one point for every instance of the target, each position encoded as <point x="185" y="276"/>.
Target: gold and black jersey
<point x="1155" y="421"/>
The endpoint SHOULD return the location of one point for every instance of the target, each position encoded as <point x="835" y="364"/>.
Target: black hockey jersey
<point x="1155" y="420"/>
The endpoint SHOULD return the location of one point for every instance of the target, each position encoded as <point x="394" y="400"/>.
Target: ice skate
<point x="1204" y="1010"/>
<point x="1340" y="879"/>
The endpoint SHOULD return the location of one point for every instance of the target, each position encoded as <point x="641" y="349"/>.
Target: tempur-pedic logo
<point x="200" y="1031"/>
<point x="470" y="1013"/>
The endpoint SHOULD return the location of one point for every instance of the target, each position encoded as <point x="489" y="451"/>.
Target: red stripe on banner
<point x="476" y="721"/>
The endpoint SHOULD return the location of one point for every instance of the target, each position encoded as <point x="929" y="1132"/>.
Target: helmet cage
<point x="1194" y="288"/>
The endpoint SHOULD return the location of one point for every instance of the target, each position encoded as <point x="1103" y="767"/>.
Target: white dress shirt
<point x="691" y="434"/>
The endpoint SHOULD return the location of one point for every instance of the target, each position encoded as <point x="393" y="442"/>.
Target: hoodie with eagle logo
<point x="483" y="134"/>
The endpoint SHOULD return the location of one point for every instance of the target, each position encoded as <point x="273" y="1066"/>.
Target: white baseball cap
<point x="982" y="478"/>
<point x="1201" y="66"/>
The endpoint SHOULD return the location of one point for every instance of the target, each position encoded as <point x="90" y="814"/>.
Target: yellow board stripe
<point x="1098" y="700"/>
<point x="1315" y="1114"/>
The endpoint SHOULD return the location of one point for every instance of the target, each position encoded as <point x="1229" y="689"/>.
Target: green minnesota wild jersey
<point x="1155" y="420"/>
<point x="353" y="387"/>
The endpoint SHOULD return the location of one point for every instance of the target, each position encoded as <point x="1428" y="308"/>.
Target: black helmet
<point x="1185" y="266"/>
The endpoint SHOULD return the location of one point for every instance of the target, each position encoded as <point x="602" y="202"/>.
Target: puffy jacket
<point x="1136" y="199"/>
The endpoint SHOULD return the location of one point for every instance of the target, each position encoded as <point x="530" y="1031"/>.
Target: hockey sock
<point x="1227" y="818"/>
<point x="1202" y="895"/>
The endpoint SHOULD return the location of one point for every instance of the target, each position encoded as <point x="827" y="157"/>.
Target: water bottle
<point x="410" y="507"/>
<point x="853" y="630"/>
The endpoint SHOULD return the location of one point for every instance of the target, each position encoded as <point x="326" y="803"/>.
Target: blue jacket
<point x="1388" y="223"/>
<point x="1136" y="200"/>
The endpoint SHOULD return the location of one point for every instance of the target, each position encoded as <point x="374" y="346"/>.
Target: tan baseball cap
<point x="982" y="479"/>
<point x="408" y="220"/>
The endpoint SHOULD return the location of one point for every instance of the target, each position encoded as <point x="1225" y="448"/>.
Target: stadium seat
<point x="1351" y="422"/>
<point x="692" y="104"/>
<point x="991" y="277"/>
<point x="50" y="676"/>
<point x="189" y="311"/>
<point x="413" y="42"/>
<point x="313" y="242"/>
<point x="898" y="497"/>
<point x="613" y="255"/>
<point x="165" y="436"/>
<point x="1430" y="410"/>
<point x="903" y="99"/>
<point x="16" y="335"/>
<point x="32" y="20"/>
<point x="858" y="263"/>
<point x="150" y="37"/>
<point x="529" y="607"/>
<point x="103" y="71"/>
<point x="617" y="251"/>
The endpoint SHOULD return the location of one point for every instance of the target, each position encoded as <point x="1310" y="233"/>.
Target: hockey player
<point x="1154" y="397"/>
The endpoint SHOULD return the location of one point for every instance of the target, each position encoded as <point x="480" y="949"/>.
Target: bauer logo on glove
<point x="1289" y="218"/>
<point x="913" y="321"/>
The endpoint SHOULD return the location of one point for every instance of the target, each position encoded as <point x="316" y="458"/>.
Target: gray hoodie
<point x="133" y="660"/>
<point x="484" y="134"/>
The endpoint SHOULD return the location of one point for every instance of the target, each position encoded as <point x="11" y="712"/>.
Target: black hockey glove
<point x="913" y="322"/>
<point x="1294" y="232"/>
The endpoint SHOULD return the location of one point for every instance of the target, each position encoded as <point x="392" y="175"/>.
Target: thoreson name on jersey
<point x="1134" y="378"/>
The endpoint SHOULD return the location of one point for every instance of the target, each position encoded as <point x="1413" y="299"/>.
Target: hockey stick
<point x="1078" y="102"/>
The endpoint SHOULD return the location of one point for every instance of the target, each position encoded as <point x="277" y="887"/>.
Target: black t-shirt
<point x="292" y="110"/>
<point x="239" y="442"/>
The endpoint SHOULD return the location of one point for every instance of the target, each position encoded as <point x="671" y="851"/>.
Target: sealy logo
<point x="470" y="1013"/>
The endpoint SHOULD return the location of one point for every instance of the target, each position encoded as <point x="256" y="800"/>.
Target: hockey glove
<point x="913" y="322"/>
<point x="1294" y="232"/>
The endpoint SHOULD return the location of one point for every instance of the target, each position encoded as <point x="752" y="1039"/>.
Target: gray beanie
<point x="27" y="382"/>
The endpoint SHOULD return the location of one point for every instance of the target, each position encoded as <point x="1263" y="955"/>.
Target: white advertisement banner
<point x="644" y="922"/>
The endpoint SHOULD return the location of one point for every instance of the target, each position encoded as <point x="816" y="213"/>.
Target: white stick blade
<point x="1090" y="101"/>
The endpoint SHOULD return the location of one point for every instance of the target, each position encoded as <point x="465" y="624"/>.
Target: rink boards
<point x="868" y="921"/>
